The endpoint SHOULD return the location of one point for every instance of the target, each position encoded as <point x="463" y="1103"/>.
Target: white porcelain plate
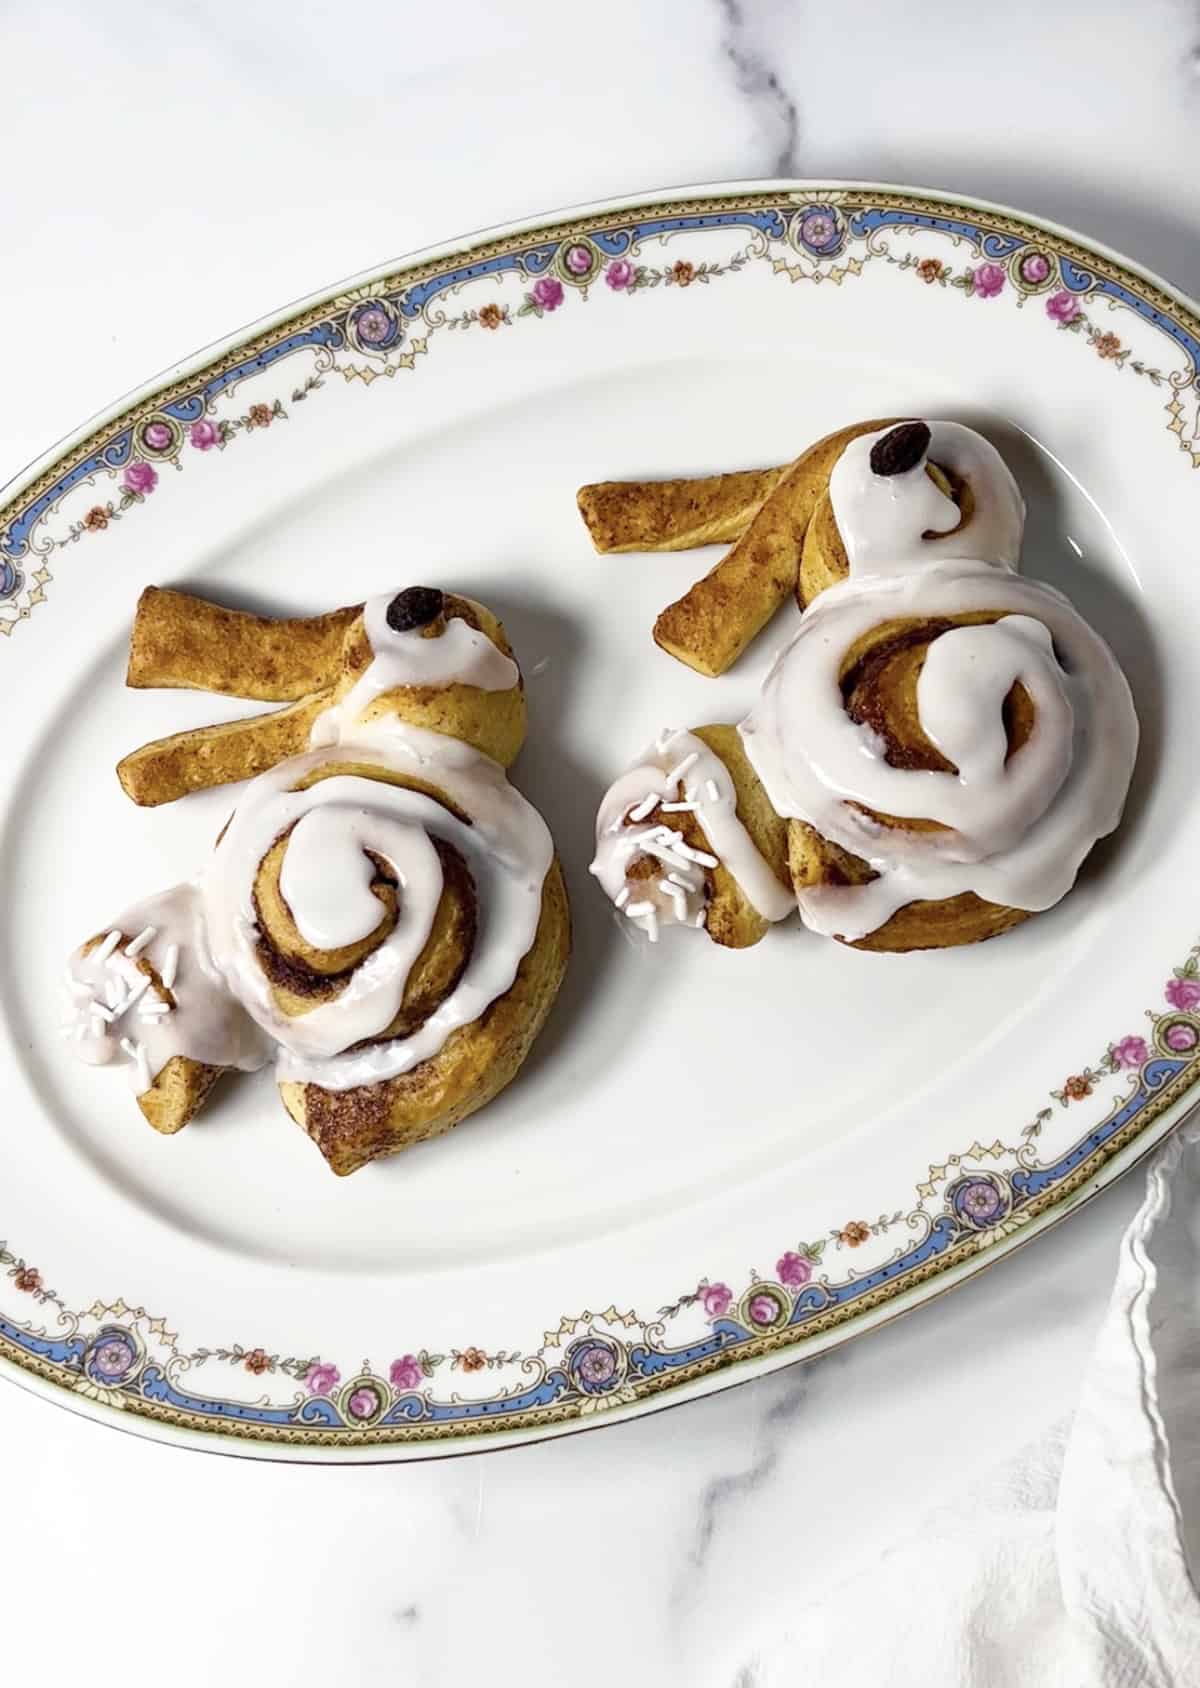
<point x="714" y="1162"/>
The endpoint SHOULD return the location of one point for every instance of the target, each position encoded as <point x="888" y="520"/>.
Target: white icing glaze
<point x="459" y="655"/>
<point x="678" y="768"/>
<point x="206" y="1024"/>
<point x="206" y="935"/>
<point x="882" y="518"/>
<point x="1018" y="828"/>
<point x="507" y="849"/>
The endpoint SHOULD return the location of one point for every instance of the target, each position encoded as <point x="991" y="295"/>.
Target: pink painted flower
<point x="157" y="436"/>
<point x="989" y="280"/>
<point x="321" y="1378"/>
<point x="620" y="275"/>
<point x="578" y="260"/>
<point x="547" y="292"/>
<point x="763" y="1309"/>
<point x="204" y="434"/>
<point x="1183" y="993"/>
<point x="1130" y="1052"/>
<point x="405" y="1373"/>
<point x="1181" y="1038"/>
<point x="1063" y="307"/>
<point x="716" y="1299"/>
<point x="1035" y="267"/>
<point x="793" y="1269"/>
<point x="140" y="477"/>
<point x="363" y="1403"/>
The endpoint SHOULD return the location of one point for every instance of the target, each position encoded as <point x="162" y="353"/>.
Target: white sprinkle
<point x="636" y="910"/>
<point x="137" y="1054"/>
<point x="135" y="991"/>
<point x="77" y="986"/>
<point x="652" y="925"/>
<point x="146" y="936"/>
<point x="539" y="667"/>
<point x="622" y="896"/>
<point x="679" y="899"/>
<point x="170" y="966"/>
<point x="681" y="768"/>
<point x="714" y="795"/>
<point x="678" y="808"/>
<point x="97" y="1025"/>
<point x="644" y="807"/>
<point x="100" y="1012"/>
<point x="699" y="919"/>
<point x="701" y="856"/>
<point x="112" y="992"/>
<point x="153" y="1010"/>
<point x="683" y="884"/>
<point x="108" y="946"/>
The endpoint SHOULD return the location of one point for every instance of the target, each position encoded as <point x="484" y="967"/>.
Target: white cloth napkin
<point x="1073" y="1565"/>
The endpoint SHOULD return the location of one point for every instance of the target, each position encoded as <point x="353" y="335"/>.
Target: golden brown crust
<point x="353" y="1127"/>
<point x="730" y="918"/>
<point x="177" y="1094"/>
<point x="183" y="641"/>
<point x="172" y="767"/>
<point x="674" y="515"/>
<point x="920" y="925"/>
<point x="711" y="625"/>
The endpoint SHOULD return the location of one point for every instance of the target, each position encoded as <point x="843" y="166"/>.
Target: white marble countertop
<point x="175" y="170"/>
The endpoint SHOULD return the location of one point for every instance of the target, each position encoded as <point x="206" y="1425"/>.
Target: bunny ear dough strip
<point x="711" y="625"/>
<point x="674" y="515"/>
<point x="187" y="643"/>
<point x="204" y="757"/>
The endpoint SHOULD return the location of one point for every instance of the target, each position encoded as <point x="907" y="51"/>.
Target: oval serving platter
<point x="714" y="1163"/>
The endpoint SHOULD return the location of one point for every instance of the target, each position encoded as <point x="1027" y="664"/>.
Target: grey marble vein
<point x="721" y="1493"/>
<point x="759" y="81"/>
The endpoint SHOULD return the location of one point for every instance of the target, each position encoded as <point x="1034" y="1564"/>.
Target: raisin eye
<point x="415" y="607"/>
<point x="900" y="449"/>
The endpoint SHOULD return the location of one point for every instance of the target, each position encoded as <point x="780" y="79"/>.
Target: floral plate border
<point x="118" y="1357"/>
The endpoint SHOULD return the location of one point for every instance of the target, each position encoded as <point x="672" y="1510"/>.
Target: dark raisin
<point x="416" y="606"/>
<point x="900" y="449"/>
